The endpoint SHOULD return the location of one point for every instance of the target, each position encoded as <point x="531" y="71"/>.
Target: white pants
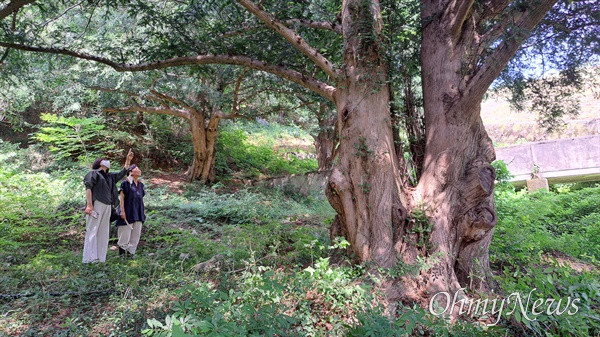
<point x="96" y="234"/>
<point x="129" y="236"/>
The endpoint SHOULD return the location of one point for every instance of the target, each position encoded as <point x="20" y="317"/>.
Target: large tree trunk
<point x="450" y="218"/>
<point x="324" y="145"/>
<point x="457" y="181"/>
<point x="364" y="188"/>
<point x="461" y="55"/>
<point x="326" y="139"/>
<point x="203" y="140"/>
<point x="448" y="227"/>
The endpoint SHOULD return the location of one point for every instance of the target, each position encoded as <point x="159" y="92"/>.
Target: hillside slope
<point x="508" y="127"/>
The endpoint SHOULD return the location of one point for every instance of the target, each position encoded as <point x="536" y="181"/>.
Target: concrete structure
<point x="559" y="161"/>
<point x="537" y="184"/>
<point x="307" y="184"/>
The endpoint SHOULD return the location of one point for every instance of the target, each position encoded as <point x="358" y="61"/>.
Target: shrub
<point x="253" y="155"/>
<point x="72" y="137"/>
<point x="529" y="223"/>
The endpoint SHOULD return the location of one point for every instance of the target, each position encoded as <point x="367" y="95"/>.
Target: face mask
<point x="105" y="163"/>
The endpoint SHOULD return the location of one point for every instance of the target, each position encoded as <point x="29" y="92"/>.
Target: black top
<point x="133" y="202"/>
<point x="103" y="185"/>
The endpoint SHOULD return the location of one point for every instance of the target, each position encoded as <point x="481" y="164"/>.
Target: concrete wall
<point x="306" y="184"/>
<point x="560" y="161"/>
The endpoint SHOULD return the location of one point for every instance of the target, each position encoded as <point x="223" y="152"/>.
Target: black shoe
<point x="121" y="251"/>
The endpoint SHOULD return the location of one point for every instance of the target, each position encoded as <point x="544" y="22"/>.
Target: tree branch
<point x="492" y="8"/>
<point x="235" y="107"/>
<point x="164" y="97"/>
<point x="291" y="36"/>
<point x="496" y="31"/>
<point x="13" y="7"/>
<point x="498" y="59"/>
<point x="312" y="84"/>
<point x="462" y="10"/>
<point x="158" y="97"/>
<point x="149" y="109"/>
<point x="331" y="26"/>
<point x="125" y="92"/>
<point x="62" y="14"/>
<point x="324" y="25"/>
<point x="219" y="114"/>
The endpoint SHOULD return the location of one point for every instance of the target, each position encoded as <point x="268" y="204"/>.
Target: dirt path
<point x="174" y="181"/>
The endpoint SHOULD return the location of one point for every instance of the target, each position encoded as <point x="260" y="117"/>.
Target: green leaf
<point x="178" y="331"/>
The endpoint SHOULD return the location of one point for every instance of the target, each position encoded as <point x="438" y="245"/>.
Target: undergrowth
<point x="246" y="150"/>
<point x="237" y="261"/>
<point x="546" y="246"/>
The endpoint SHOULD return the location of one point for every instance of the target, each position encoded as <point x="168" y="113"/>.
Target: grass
<point x="547" y="244"/>
<point x="46" y="290"/>
<point x="215" y="261"/>
<point x="255" y="151"/>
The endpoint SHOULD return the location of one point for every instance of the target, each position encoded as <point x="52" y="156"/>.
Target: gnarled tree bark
<point x="449" y="219"/>
<point x="326" y="139"/>
<point x="459" y="62"/>
<point x="364" y="187"/>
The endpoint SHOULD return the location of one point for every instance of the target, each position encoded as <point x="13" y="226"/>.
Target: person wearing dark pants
<point x="132" y="212"/>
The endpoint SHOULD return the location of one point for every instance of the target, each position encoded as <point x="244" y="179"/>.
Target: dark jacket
<point x="133" y="202"/>
<point x="104" y="185"/>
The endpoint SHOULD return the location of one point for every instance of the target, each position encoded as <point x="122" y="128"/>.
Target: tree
<point x="564" y="51"/>
<point x="197" y="100"/>
<point x="457" y="181"/>
<point x="326" y="136"/>
<point x="341" y="53"/>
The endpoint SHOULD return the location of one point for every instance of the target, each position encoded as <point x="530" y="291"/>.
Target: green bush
<point x="267" y="302"/>
<point x="503" y="177"/>
<point x="72" y="137"/>
<point x="532" y="229"/>
<point x="236" y="153"/>
<point x="577" y="313"/>
<point x="168" y="142"/>
<point x="530" y="223"/>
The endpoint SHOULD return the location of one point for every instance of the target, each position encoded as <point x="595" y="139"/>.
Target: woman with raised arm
<point x="100" y="196"/>
<point x="132" y="212"/>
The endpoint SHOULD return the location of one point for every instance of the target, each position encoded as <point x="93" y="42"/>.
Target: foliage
<point x="249" y="149"/>
<point x="545" y="75"/>
<point x="503" y="177"/>
<point x="547" y="243"/>
<point x="275" y="272"/>
<point x="319" y="300"/>
<point x="72" y="137"/>
<point x="13" y="102"/>
<point x="578" y="293"/>
<point x="531" y="224"/>
<point x="266" y="302"/>
<point x="167" y="143"/>
<point x="40" y="244"/>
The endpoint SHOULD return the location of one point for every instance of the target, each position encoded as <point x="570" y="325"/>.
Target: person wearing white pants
<point x="129" y="237"/>
<point x="96" y="233"/>
<point x="132" y="212"/>
<point x="100" y="194"/>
